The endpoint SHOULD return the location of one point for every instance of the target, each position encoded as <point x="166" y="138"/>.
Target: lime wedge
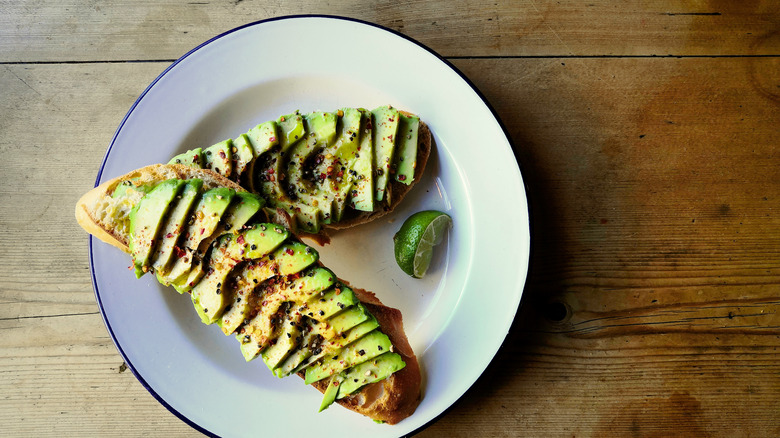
<point x="414" y="242"/>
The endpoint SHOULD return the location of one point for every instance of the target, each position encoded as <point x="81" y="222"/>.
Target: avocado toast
<point x="207" y="237"/>
<point x="324" y="169"/>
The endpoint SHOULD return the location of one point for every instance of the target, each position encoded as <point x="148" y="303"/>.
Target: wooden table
<point x="648" y="136"/>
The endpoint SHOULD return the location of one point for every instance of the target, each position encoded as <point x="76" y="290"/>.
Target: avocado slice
<point x="128" y="189"/>
<point x="209" y="294"/>
<point x="406" y="155"/>
<point x="321" y="339"/>
<point x="258" y="332"/>
<point x="321" y="129"/>
<point x="263" y="137"/>
<point x="370" y="371"/>
<point x="329" y="396"/>
<point x="243" y="154"/>
<point x="311" y="344"/>
<point x="336" y="163"/>
<point x="242" y="208"/>
<point x="291" y="258"/>
<point x="365" y="348"/>
<point x="362" y="195"/>
<point x="219" y="158"/>
<point x="284" y="344"/>
<point x="175" y="223"/>
<point x="332" y="301"/>
<point x="291" y="129"/>
<point x="192" y="158"/>
<point x="203" y="222"/>
<point x="386" y="120"/>
<point x="349" y="318"/>
<point x="146" y="219"/>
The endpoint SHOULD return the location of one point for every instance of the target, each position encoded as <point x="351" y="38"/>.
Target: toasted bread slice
<point x="389" y="400"/>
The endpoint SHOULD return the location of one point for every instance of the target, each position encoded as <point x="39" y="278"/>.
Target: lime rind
<point x="414" y="242"/>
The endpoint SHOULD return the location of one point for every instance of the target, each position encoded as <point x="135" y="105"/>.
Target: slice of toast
<point x="389" y="400"/>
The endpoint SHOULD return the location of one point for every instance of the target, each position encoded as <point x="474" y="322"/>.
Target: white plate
<point x="456" y="318"/>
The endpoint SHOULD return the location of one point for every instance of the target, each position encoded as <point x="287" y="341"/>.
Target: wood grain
<point x="654" y="293"/>
<point x="155" y="30"/>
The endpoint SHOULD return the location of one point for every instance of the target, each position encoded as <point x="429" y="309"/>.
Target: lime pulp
<point x="414" y="242"/>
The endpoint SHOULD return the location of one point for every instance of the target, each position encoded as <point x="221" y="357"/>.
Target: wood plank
<point x="144" y="30"/>
<point x="653" y="299"/>
<point x="656" y="256"/>
<point x="65" y="379"/>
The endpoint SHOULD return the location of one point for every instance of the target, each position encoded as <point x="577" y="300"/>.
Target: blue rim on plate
<point x="125" y="357"/>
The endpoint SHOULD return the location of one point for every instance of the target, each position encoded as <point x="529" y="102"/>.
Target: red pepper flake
<point x="169" y="235"/>
<point x="272" y="139"/>
<point x="290" y="251"/>
<point x="202" y="230"/>
<point x="179" y="252"/>
<point x="222" y="155"/>
<point x="401" y="177"/>
<point x="240" y="239"/>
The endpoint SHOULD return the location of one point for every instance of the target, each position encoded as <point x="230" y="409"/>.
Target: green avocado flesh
<point x="319" y="166"/>
<point x="257" y="282"/>
<point x="146" y="219"/>
<point x="202" y="224"/>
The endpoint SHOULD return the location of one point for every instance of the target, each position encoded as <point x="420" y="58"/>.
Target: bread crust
<point x="390" y="400"/>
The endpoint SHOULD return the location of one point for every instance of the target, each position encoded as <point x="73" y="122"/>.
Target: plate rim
<point x="173" y="64"/>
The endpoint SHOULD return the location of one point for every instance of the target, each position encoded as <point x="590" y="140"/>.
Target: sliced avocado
<point x="355" y="333"/>
<point x="268" y="174"/>
<point x="202" y="224"/>
<point x="321" y="126"/>
<point x="315" y="345"/>
<point x="146" y="220"/>
<point x="174" y="225"/>
<point x="290" y="258"/>
<point x="243" y="154"/>
<point x="332" y="301"/>
<point x="263" y="137"/>
<point x="192" y="158"/>
<point x="244" y="300"/>
<point x="219" y="158"/>
<point x="293" y="257"/>
<point x="386" y="120"/>
<point x="244" y="206"/>
<point x="345" y="157"/>
<point x="230" y="250"/>
<point x="311" y="282"/>
<point x="321" y="129"/>
<point x="365" y="348"/>
<point x="291" y="129"/>
<point x="335" y="168"/>
<point x="258" y="332"/>
<point x="284" y="344"/>
<point x="349" y="318"/>
<point x="299" y="357"/>
<point x="362" y="195"/>
<point x="369" y="372"/>
<point x="329" y="396"/>
<point x="406" y="155"/>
